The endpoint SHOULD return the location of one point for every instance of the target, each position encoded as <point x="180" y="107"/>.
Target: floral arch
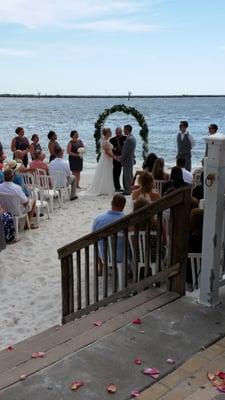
<point x="127" y="110"/>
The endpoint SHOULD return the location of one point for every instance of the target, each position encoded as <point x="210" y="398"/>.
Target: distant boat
<point x="129" y="95"/>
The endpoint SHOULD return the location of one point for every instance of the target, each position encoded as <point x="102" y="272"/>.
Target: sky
<point x="111" y="47"/>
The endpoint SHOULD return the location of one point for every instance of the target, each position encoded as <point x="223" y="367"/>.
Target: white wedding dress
<point x="103" y="178"/>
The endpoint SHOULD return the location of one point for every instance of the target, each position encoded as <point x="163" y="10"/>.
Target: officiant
<point x="117" y="141"/>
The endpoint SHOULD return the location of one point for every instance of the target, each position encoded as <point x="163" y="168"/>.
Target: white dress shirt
<point x="187" y="176"/>
<point x="59" y="165"/>
<point x="13" y="189"/>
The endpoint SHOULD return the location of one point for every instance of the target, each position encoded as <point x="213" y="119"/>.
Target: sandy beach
<point x="30" y="276"/>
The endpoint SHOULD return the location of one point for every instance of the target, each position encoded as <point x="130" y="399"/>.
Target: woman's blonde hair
<point x="105" y="131"/>
<point x="146" y="182"/>
<point x="158" y="169"/>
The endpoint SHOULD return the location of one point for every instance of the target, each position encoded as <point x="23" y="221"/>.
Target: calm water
<point x="63" y="115"/>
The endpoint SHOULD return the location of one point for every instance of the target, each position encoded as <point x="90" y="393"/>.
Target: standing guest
<point x="128" y="159"/>
<point x="187" y="176"/>
<point x="20" y="142"/>
<point x="75" y="159"/>
<point x="185" y="143"/>
<point x="149" y="162"/>
<point x="158" y="170"/>
<point x="2" y="156"/>
<point x="117" y="142"/>
<point x="35" y="145"/>
<point x="117" y="206"/>
<point x="58" y="165"/>
<point x="212" y="129"/>
<point x="38" y="161"/>
<point x="52" y="144"/>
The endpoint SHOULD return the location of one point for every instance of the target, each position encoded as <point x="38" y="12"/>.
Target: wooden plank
<point x="78" y="280"/>
<point x="96" y="295"/>
<point x="87" y="277"/>
<point x="180" y="242"/>
<point x="125" y="259"/>
<point x="67" y="285"/>
<point x="105" y="268"/>
<point x="159" y="277"/>
<point x="54" y="355"/>
<point x="114" y="262"/>
<point x="138" y="216"/>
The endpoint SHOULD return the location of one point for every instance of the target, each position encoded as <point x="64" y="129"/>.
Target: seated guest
<point x="35" y="145"/>
<point x="52" y="144"/>
<point x="198" y="191"/>
<point x="17" y="179"/>
<point x="2" y="233"/>
<point x="145" y="188"/>
<point x="8" y="187"/>
<point x="158" y="170"/>
<point x="38" y="162"/>
<point x="58" y="165"/>
<point x="2" y="156"/>
<point x="18" y="157"/>
<point x="149" y="162"/>
<point x="117" y="206"/>
<point x="187" y="175"/>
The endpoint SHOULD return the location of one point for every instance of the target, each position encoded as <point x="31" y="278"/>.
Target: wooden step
<point x="60" y="341"/>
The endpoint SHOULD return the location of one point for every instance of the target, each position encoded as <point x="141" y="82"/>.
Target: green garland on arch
<point x="127" y="110"/>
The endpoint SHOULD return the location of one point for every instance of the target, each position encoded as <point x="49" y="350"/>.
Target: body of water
<point x="39" y="115"/>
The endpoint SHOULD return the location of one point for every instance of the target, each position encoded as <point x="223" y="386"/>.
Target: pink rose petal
<point x="10" y="348"/>
<point x="111" y="388"/>
<point x="38" y="354"/>
<point x="153" y="372"/>
<point x="220" y="374"/>
<point x="137" y="321"/>
<point x="170" y="361"/>
<point x="98" y="323"/>
<point x="22" y="377"/>
<point x="137" y="361"/>
<point x="76" y="385"/>
<point x="135" y="393"/>
<point x="221" y="388"/>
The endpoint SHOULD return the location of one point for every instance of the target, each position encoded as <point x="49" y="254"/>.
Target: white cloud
<point x="16" y="52"/>
<point x="100" y="15"/>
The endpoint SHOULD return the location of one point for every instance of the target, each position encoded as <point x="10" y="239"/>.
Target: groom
<point x="128" y="159"/>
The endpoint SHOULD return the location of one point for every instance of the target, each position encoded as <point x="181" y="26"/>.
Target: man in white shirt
<point x="187" y="176"/>
<point x="60" y="171"/>
<point x="185" y="142"/>
<point x="8" y="187"/>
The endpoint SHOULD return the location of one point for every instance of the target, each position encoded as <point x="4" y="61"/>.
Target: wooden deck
<point x="61" y="341"/>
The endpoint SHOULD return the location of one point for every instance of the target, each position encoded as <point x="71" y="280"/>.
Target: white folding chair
<point x="13" y="205"/>
<point x="141" y="252"/>
<point x="195" y="260"/>
<point x="44" y="183"/>
<point x="40" y="204"/>
<point x="118" y="264"/>
<point x="159" y="185"/>
<point x="59" y="182"/>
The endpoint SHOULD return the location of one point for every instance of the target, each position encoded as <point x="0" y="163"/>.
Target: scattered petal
<point x="76" y="385"/>
<point x="57" y="328"/>
<point x="137" y="321"/>
<point x="22" y="377"/>
<point x="153" y="372"/>
<point x="210" y="376"/>
<point x="220" y="374"/>
<point x="137" y="361"/>
<point x="135" y="393"/>
<point x="216" y="382"/>
<point x="142" y="331"/>
<point x="170" y="361"/>
<point x="98" y="323"/>
<point x="221" y="388"/>
<point x="10" y="348"/>
<point x="38" y="354"/>
<point x="111" y="388"/>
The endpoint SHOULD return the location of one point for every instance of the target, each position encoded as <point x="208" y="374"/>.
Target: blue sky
<point x="112" y="46"/>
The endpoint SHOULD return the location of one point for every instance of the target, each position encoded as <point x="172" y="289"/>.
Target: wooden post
<point x="181" y="215"/>
<point x="67" y="286"/>
<point x="214" y="189"/>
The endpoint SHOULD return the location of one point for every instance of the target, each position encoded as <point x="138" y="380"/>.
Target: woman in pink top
<point x="38" y="162"/>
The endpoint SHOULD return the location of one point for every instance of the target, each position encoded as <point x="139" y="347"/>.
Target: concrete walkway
<point x="178" y="330"/>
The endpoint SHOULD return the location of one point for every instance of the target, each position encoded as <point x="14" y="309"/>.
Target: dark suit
<point x="127" y="161"/>
<point x="117" y="142"/>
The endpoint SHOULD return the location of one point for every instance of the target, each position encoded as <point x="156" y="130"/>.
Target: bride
<point x="103" y="178"/>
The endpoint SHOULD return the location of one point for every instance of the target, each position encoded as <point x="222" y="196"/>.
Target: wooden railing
<point x="93" y="291"/>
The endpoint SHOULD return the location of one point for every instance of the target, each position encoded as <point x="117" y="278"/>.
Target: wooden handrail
<point x="171" y="200"/>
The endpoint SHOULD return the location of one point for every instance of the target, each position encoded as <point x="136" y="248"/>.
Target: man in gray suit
<point x="128" y="159"/>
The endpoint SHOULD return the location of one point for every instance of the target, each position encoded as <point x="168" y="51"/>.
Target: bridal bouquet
<point x="81" y="151"/>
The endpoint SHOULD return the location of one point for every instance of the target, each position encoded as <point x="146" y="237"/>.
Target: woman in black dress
<point x="20" y="142"/>
<point x="75" y="159"/>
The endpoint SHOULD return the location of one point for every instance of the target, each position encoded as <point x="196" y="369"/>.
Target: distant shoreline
<point x="62" y="96"/>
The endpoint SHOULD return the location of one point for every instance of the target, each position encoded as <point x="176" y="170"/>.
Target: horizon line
<point x="128" y="96"/>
